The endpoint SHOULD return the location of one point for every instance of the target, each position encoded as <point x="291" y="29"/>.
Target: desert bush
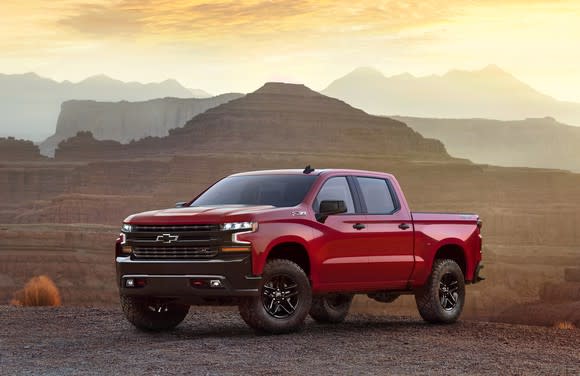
<point x="564" y="325"/>
<point x="38" y="291"/>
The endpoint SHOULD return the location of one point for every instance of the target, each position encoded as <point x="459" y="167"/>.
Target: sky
<point x="227" y="46"/>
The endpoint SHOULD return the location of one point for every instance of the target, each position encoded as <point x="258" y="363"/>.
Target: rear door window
<point x="377" y="195"/>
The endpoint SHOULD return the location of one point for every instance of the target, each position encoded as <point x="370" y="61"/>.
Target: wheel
<point x="283" y="302"/>
<point x="152" y="315"/>
<point x="331" y="308"/>
<point x="442" y="298"/>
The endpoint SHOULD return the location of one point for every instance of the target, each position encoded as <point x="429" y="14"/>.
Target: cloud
<point x="106" y="19"/>
<point x="258" y="26"/>
<point x="193" y="19"/>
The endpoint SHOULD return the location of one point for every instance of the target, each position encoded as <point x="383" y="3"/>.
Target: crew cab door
<point x="388" y="232"/>
<point x="341" y="255"/>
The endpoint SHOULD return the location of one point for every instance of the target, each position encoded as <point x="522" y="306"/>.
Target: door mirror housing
<point x="330" y="207"/>
<point x="181" y="204"/>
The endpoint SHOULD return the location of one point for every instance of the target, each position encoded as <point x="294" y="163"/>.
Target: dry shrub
<point x="564" y="325"/>
<point x="39" y="291"/>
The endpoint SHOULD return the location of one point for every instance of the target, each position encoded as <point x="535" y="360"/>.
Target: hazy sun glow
<point x="237" y="45"/>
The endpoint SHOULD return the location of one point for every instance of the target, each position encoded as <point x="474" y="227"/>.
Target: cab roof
<point x="316" y="172"/>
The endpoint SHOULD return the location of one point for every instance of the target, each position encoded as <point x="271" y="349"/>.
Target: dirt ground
<point x="212" y="341"/>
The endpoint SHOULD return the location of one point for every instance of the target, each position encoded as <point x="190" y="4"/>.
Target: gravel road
<point x="98" y="341"/>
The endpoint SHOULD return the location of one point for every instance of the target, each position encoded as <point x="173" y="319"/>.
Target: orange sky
<point x="237" y="45"/>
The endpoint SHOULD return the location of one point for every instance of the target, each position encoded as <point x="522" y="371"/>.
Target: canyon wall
<point x="277" y="117"/>
<point x="126" y="121"/>
<point x="538" y="142"/>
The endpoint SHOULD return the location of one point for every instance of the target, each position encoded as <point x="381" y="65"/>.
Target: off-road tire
<point x="331" y="308"/>
<point x="430" y="299"/>
<point x="141" y="313"/>
<point x="254" y="311"/>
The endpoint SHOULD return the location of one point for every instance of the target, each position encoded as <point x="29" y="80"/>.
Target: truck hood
<point x="198" y="214"/>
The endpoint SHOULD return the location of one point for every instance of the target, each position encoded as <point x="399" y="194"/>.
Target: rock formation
<point x="126" y="121"/>
<point x="84" y="144"/>
<point x="12" y="149"/>
<point x="283" y="118"/>
<point x="30" y="104"/>
<point x="539" y="142"/>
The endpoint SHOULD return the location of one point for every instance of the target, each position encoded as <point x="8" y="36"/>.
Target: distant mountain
<point x="278" y="118"/>
<point x="486" y="93"/>
<point x="126" y="121"/>
<point x="30" y="104"/>
<point x="198" y="93"/>
<point x="540" y="142"/>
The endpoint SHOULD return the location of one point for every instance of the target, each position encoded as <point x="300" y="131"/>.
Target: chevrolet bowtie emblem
<point x="167" y="238"/>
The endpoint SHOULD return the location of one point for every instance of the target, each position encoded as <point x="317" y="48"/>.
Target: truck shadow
<point x="191" y="330"/>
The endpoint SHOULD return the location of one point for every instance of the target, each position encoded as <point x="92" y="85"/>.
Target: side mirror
<point x="181" y="204"/>
<point x="330" y="207"/>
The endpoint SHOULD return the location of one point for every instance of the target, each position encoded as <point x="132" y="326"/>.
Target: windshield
<point x="275" y="190"/>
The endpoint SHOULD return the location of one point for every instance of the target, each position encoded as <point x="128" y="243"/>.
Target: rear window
<point x="275" y="190"/>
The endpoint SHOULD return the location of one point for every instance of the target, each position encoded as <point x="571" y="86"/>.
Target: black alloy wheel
<point x="449" y="291"/>
<point x="442" y="297"/>
<point x="280" y="296"/>
<point x="283" y="300"/>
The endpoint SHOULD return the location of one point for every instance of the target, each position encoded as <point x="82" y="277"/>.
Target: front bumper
<point x="175" y="279"/>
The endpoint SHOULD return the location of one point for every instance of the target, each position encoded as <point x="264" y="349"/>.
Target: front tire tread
<point x="255" y="315"/>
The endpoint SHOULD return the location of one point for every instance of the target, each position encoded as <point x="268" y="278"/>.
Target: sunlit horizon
<point x="236" y="46"/>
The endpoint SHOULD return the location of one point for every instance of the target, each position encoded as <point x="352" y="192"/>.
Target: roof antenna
<point x="308" y="170"/>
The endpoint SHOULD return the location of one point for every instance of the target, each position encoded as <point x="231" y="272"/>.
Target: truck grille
<point x="180" y="242"/>
<point x="178" y="228"/>
<point x="173" y="253"/>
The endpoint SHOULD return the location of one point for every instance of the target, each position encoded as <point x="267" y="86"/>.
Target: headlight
<point x="239" y="226"/>
<point x="126" y="227"/>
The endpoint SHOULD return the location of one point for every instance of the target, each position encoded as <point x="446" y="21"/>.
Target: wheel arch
<point x="455" y="252"/>
<point x="293" y="251"/>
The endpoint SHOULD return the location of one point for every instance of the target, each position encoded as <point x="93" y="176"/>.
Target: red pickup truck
<point x="283" y="244"/>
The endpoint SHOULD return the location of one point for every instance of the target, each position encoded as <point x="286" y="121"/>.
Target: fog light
<point x="215" y="283"/>
<point x="135" y="282"/>
<point x="127" y="249"/>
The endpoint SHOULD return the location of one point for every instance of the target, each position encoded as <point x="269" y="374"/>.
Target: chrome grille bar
<point x="173" y="252"/>
<point x="176" y="228"/>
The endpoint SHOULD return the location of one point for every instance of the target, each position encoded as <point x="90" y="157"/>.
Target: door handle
<point x="358" y="226"/>
<point x="404" y="226"/>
